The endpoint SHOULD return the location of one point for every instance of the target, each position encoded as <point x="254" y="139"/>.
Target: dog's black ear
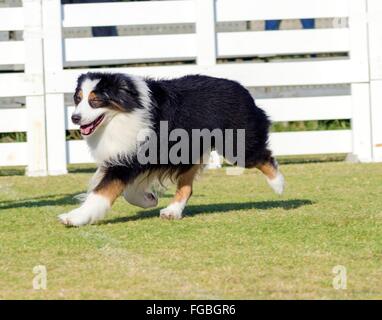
<point x="81" y="78"/>
<point x="125" y="95"/>
<point x="77" y="96"/>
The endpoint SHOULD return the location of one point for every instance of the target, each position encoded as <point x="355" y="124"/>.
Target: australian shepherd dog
<point x="114" y="109"/>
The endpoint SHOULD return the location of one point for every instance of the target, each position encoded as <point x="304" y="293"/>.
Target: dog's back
<point x="202" y="102"/>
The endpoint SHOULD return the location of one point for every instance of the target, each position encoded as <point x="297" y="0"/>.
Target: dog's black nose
<point x="76" y="118"/>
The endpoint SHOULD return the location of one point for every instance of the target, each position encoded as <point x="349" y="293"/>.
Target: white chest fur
<point x="117" y="138"/>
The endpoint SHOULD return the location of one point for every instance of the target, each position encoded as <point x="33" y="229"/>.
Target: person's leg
<point x="272" y="25"/>
<point x="308" y="23"/>
<point x="104" y="31"/>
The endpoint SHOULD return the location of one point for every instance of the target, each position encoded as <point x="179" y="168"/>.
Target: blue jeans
<point x="275" y="24"/>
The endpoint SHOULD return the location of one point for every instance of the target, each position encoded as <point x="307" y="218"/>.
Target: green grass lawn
<point x="238" y="239"/>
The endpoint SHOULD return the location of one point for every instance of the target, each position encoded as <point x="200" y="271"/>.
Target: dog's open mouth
<point x="90" y="128"/>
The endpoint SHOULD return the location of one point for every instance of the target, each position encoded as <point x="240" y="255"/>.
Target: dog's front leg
<point x="97" y="202"/>
<point x="183" y="193"/>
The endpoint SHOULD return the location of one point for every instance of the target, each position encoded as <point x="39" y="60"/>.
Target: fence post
<point x="361" y="126"/>
<point x="375" y="53"/>
<point x="35" y="105"/>
<point x="361" y="119"/>
<point x="207" y="48"/>
<point x="205" y="32"/>
<point x="55" y="107"/>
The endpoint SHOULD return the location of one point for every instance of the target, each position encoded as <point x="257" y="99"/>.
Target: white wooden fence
<point x="375" y="58"/>
<point x="30" y="84"/>
<point x="45" y="52"/>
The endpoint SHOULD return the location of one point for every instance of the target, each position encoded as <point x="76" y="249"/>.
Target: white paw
<point x="93" y="209"/>
<point x="173" y="211"/>
<point x="277" y="183"/>
<point x="75" y="218"/>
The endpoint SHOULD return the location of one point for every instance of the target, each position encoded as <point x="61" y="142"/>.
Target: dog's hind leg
<point x="269" y="167"/>
<point x="273" y="175"/>
<point x="184" y="191"/>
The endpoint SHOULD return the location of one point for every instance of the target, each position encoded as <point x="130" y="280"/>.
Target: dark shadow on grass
<point x="290" y="160"/>
<point x="193" y="210"/>
<point x="52" y="200"/>
<point x="170" y="195"/>
<point x="82" y="170"/>
<point x="19" y="171"/>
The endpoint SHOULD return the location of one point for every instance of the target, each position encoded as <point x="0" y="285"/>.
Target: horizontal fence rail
<point x="307" y="109"/>
<point x="133" y="48"/>
<point x="184" y="46"/>
<point x="20" y="84"/>
<point x="13" y="120"/>
<point x="13" y="154"/>
<point x="311" y="142"/>
<point x="345" y="56"/>
<point x="133" y="13"/>
<point x="162" y="12"/>
<point x="12" y="52"/>
<point x="244" y="10"/>
<point x="11" y="19"/>
<point x="249" y="74"/>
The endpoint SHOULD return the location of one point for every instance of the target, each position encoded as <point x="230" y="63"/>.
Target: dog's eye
<point x="95" y="103"/>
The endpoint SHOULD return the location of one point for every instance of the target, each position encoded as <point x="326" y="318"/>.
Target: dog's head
<point x="100" y="96"/>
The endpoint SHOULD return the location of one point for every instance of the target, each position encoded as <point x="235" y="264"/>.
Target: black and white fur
<point x="112" y="108"/>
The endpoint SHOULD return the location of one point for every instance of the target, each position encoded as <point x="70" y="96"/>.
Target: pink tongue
<point x="86" y="130"/>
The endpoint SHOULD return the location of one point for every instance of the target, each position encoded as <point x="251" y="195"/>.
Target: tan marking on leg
<point x="268" y="169"/>
<point x="183" y="193"/>
<point x="112" y="190"/>
<point x="184" y="187"/>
